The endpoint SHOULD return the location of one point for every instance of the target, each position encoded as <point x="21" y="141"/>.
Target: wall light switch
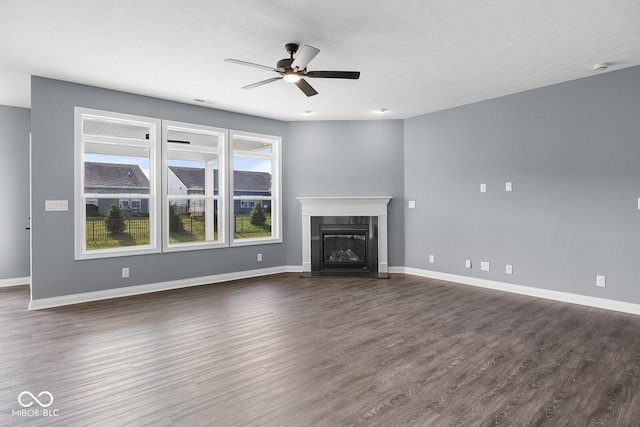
<point x="56" y="205"/>
<point x="638" y="202"/>
<point x="484" y="266"/>
<point x="508" y="186"/>
<point x="467" y="263"/>
<point x="601" y="281"/>
<point x="483" y="188"/>
<point x="259" y="258"/>
<point x="432" y="259"/>
<point x="125" y="272"/>
<point x="509" y="269"/>
<point x="412" y="204"/>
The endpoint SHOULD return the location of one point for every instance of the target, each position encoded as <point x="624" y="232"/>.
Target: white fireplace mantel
<point x="345" y="206"/>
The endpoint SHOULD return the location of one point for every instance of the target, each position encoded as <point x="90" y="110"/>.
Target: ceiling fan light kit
<point x="293" y="69"/>
<point x="291" y="77"/>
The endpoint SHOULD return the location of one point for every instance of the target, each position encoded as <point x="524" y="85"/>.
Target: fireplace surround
<point x="338" y="232"/>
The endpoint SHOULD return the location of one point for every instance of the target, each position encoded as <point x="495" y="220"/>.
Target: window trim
<point x="158" y="198"/>
<point x="80" y="218"/>
<point x="223" y="229"/>
<point x="276" y="187"/>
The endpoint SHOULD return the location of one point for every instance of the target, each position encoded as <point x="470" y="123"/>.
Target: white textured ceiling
<point x="415" y="56"/>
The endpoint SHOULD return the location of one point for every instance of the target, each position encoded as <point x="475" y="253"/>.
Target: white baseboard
<point x="42" y="303"/>
<point x="17" y="281"/>
<point x="294" y="268"/>
<point x="606" y="304"/>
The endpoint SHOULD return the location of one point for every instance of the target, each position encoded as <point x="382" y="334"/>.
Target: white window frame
<point x="221" y="197"/>
<point x="276" y="186"/>
<point x="153" y="144"/>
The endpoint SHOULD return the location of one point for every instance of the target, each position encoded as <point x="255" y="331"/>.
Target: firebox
<point x="344" y="245"/>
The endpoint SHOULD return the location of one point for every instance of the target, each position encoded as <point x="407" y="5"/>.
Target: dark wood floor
<point x="287" y="351"/>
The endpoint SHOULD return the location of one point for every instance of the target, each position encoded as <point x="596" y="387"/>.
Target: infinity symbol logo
<point x="26" y="405"/>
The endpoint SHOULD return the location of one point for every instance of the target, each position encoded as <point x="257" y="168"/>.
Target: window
<point x="139" y="190"/>
<point x="194" y="182"/>
<point x="116" y="204"/>
<point x="255" y="181"/>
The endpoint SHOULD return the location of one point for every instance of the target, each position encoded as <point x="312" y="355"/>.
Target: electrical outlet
<point x="259" y="257"/>
<point x="125" y="272"/>
<point x="432" y="259"/>
<point x="467" y="263"/>
<point x="509" y="269"/>
<point x="484" y="266"/>
<point x="483" y="188"/>
<point x="601" y="281"/>
<point x="508" y="186"/>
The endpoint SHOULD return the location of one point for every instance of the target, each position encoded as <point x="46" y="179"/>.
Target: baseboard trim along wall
<point x="44" y="303"/>
<point x="606" y="304"/>
<point x="17" y="281"/>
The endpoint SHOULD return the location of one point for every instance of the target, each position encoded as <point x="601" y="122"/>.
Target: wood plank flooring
<point x="289" y="351"/>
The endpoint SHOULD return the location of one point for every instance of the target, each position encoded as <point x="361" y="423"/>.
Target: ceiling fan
<point x="292" y="70"/>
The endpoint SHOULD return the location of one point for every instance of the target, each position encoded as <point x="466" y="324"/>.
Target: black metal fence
<point x="190" y="225"/>
<point x="243" y="227"/>
<point x="136" y="228"/>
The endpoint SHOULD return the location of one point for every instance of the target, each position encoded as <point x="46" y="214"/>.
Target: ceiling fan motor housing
<point x="284" y="64"/>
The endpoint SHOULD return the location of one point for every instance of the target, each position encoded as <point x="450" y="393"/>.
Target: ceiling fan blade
<point x="251" y="64"/>
<point x="304" y="56"/>
<point x="263" y="82"/>
<point x="334" y="74"/>
<point x="306" y="87"/>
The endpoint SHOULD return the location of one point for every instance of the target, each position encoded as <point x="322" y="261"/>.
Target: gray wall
<point x="55" y="272"/>
<point x="344" y="158"/>
<point x="572" y="151"/>
<point x="14" y="192"/>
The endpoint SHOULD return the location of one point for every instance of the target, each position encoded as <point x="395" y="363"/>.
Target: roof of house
<point x="252" y="181"/>
<point x="111" y="175"/>
<point x="193" y="178"/>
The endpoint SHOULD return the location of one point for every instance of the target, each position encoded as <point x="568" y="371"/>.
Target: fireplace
<point x="344" y="244"/>
<point x="344" y="236"/>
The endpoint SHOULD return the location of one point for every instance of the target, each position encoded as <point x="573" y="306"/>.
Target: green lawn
<point x="244" y="229"/>
<point x="137" y="231"/>
<point x="193" y="231"/>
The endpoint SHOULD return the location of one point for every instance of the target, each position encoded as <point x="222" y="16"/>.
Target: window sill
<point x="256" y="241"/>
<point x="194" y="246"/>
<point x="119" y="252"/>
